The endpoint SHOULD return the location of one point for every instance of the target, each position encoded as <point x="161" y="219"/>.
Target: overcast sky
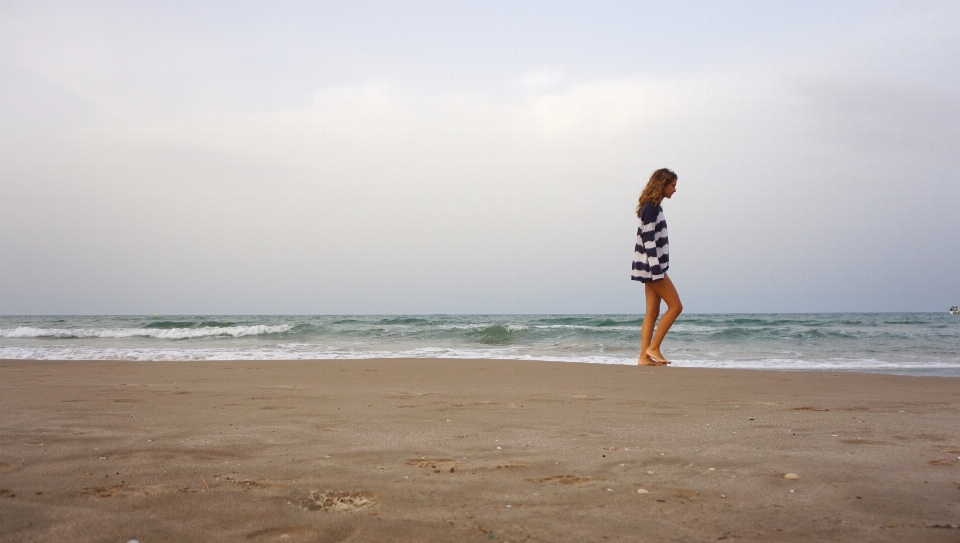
<point x="476" y="157"/>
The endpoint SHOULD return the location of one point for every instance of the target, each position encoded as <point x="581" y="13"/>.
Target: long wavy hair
<point x="653" y="192"/>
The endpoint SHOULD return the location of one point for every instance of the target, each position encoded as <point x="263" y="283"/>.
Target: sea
<point x="896" y="343"/>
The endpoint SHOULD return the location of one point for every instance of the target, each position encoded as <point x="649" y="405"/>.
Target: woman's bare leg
<point x="668" y="293"/>
<point x="649" y="321"/>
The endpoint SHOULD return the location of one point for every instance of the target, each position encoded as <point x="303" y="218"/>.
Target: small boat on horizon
<point x="955" y="310"/>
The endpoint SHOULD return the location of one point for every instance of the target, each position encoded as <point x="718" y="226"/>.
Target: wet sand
<point x="472" y="450"/>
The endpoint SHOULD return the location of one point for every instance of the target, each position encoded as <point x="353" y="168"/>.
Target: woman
<point x="651" y="259"/>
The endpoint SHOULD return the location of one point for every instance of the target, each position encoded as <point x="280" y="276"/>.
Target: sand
<point x="472" y="450"/>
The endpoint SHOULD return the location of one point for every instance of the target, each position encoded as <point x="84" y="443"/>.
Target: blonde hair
<point x="653" y="192"/>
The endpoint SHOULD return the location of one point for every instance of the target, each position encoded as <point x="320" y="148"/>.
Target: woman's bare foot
<point x="657" y="356"/>
<point x="646" y="361"/>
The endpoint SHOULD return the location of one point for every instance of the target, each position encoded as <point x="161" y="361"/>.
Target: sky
<point x="384" y="157"/>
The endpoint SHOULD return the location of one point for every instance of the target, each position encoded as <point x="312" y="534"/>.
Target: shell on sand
<point x="791" y="476"/>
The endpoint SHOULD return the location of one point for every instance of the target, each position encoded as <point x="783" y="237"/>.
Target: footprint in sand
<point x="108" y="491"/>
<point x="567" y="480"/>
<point x="249" y="484"/>
<point x="424" y="462"/>
<point x="338" y="502"/>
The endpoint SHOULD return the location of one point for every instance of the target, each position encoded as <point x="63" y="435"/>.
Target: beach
<point x="472" y="450"/>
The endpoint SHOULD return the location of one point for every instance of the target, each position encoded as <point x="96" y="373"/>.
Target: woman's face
<point x="669" y="189"/>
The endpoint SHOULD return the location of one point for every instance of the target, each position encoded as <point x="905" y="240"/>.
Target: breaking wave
<point x="145" y="332"/>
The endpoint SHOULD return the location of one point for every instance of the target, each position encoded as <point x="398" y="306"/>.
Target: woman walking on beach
<point x="651" y="259"/>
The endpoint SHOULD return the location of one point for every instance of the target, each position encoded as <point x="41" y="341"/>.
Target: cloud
<point x="541" y="80"/>
<point x="254" y="178"/>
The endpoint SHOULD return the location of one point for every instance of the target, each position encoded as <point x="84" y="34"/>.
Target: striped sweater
<point x="651" y="255"/>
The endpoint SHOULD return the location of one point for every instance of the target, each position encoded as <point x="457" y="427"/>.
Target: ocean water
<point x="901" y="343"/>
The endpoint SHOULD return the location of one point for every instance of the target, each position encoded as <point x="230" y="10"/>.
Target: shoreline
<point x="933" y="372"/>
<point x="436" y="449"/>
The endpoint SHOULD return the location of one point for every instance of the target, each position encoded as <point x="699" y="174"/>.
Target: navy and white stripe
<point x="651" y="255"/>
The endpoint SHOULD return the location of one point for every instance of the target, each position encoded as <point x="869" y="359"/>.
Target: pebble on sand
<point x="642" y="491"/>
<point x="649" y="473"/>
<point x="791" y="476"/>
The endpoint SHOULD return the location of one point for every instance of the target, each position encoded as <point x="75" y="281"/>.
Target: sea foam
<point x="159" y="333"/>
